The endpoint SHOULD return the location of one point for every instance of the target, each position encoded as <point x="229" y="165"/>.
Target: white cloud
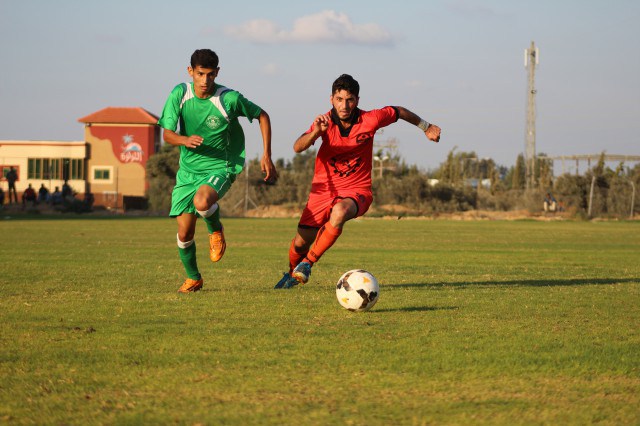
<point x="324" y="27"/>
<point x="270" y="69"/>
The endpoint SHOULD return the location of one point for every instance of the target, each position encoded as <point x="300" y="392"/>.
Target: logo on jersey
<point x="213" y="122"/>
<point x="345" y="166"/>
<point x="364" y="138"/>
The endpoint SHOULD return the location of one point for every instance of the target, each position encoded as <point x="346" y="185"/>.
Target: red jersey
<point x="345" y="157"/>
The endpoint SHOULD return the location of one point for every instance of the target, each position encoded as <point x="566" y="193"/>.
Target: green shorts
<point x="187" y="184"/>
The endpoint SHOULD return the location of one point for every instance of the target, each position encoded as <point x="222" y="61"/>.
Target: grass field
<point x="477" y="323"/>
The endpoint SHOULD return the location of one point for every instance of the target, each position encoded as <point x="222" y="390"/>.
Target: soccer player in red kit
<point x="341" y="186"/>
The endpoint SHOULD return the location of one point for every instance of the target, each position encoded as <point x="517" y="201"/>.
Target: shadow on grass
<point x="524" y="283"/>
<point x="417" y="309"/>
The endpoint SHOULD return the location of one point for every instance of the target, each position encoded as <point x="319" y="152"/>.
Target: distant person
<point x="550" y="203"/>
<point x="43" y="194"/>
<point x="56" y="197"/>
<point x="87" y="202"/>
<point x="29" y="196"/>
<point x="212" y="154"/>
<point x="1" y="197"/>
<point x="66" y="190"/>
<point x="12" y="177"/>
<point x="341" y="186"/>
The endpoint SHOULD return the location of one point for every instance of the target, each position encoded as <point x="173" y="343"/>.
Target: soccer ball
<point x="357" y="290"/>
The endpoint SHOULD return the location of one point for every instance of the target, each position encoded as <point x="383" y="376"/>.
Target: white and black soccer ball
<point x="357" y="290"/>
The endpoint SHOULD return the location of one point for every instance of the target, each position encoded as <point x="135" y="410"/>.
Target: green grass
<point x="477" y="322"/>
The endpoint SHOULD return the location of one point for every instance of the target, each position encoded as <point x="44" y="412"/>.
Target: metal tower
<point x="531" y="60"/>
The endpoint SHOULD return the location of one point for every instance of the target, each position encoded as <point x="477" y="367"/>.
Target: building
<point x="110" y="162"/>
<point x="44" y="162"/>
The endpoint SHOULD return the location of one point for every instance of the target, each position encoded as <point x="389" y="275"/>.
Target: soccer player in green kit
<point x="212" y="153"/>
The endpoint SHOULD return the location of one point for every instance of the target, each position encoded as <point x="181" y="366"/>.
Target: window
<point x="55" y="168"/>
<point x="35" y="168"/>
<point x="102" y="174"/>
<point x="77" y="169"/>
<point x="31" y="166"/>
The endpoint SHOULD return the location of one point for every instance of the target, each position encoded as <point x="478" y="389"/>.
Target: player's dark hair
<point x="346" y="82"/>
<point x="206" y="58"/>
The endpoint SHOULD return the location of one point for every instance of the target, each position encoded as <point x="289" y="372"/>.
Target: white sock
<point x="183" y="244"/>
<point x="209" y="212"/>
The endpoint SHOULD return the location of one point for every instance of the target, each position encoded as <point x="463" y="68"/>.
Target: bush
<point x="410" y="188"/>
<point x="161" y="174"/>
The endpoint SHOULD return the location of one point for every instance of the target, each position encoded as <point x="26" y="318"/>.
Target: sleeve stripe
<point x="188" y="94"/>
<point x="216" y="101"/>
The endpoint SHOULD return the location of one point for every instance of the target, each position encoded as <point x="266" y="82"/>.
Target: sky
<point x="456" y="63"/>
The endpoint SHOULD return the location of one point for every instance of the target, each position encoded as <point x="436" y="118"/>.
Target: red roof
<point x="121" y="115"/>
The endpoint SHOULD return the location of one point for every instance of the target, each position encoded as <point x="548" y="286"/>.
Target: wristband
<point x="423" y="125"/>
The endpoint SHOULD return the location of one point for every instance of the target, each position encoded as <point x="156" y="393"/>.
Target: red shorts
<point x="318" y="209"/>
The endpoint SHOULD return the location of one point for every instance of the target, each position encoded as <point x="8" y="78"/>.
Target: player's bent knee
<point x="340" y="214"/>
<point x="186" y="235"/>
<point x="200" y="202"/>
<point x="205" y="198"/>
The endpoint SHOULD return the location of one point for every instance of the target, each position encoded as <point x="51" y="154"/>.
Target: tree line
<point x="461" y="182"/>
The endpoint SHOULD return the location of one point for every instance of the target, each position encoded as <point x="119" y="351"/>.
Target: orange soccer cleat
<point x="217" y="245"/>
<point x="189" y="286"/>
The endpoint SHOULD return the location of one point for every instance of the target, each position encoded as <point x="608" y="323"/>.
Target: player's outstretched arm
<point x="431" y="131"/>
<point x="320" y="126"/>
<point x="266" y="164"/>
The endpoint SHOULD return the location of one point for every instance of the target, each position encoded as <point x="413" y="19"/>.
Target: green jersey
<point x="215" y="119"/>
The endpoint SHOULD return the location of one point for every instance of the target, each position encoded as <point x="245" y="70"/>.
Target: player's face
<point x="344" y="103"/>
<point x="203" y="80"/>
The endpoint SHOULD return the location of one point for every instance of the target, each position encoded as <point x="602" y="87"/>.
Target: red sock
<point x="294" y="256"/>
<point x="327" y="235"/>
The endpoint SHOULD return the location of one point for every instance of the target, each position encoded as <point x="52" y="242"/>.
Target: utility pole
<point x="246" y="200"/>
<point x="531" y="60"/>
